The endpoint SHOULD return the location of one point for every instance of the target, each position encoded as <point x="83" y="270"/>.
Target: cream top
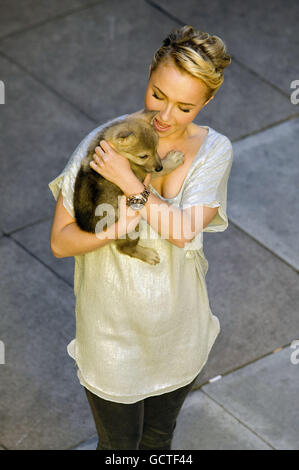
<point x="141" y="329"/>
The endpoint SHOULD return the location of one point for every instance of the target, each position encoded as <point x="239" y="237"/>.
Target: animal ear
<point x="125" y="136"/>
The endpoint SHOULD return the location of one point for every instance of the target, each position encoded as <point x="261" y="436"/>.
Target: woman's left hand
<point x="110" y="164"/>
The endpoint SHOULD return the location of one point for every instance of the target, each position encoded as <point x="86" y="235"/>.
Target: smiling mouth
<point x="163" y="126"/>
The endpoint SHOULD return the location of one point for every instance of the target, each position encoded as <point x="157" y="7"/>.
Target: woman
<point x="144" y="332"/>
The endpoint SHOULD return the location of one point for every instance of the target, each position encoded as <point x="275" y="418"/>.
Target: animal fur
<point x="136" y="139"/>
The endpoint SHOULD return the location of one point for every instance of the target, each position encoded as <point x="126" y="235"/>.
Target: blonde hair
<point x="200" y="54"/>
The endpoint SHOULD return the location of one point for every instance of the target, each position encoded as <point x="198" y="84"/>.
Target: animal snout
<point x="159" y="168"/>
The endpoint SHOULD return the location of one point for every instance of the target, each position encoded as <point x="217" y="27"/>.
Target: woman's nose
<point x="165" y="115"/>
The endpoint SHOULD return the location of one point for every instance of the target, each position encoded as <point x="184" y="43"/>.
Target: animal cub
<point x="135" y="138"/>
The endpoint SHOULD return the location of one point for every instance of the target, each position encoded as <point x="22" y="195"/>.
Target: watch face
<point x="137" y="206"/>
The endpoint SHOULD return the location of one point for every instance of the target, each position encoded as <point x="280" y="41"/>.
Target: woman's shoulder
<point x="216" y="149"/>
<point x="217" y="142"/>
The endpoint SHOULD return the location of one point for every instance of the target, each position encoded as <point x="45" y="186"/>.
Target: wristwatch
<point x="138" y="201"/>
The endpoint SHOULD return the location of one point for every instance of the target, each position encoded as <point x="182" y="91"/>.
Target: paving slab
<point x="264" y="396"/>
<point x="261" y="35"/>
<point x="263" y="190"/>
<point x="35" y="239"/>
<point x="205" y="425"/>
<point x="255" y="296"/>
<point x="70" y="54"/>
<point x="42" y="403"/>
<point x="85" y="55"/>
<point x="89" y="444"/>
<point x="16" y="16"/>
<point x="238" y="110"/>
<point x="35" y="149"/>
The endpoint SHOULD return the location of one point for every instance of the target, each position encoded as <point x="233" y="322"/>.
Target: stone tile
<point x="204" y="425"/>
<point x="263" y="189"/>
<point x="261" y="35"/>
<point x="98" y="58"/>
<point x="237" y="111"/>
<point x="43" y="405"/>
<point x="35" y="239"/>
<point x="255" y="296"/>
<point x="35" y="149"/>
<point x="264" y="396"/>
<point x="15" y="15"/>
<point x="90" y="444"/>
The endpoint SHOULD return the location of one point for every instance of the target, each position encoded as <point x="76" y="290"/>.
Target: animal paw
<point x="173" y="159"/>
<point x="147" y="254"/>
<point x="152" y="257"/>
<point x="178" y="157"/>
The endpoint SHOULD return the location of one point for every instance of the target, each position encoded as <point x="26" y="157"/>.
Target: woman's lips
<point x="159" y="127"/>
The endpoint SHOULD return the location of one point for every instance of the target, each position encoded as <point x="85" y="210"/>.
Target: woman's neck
<point x="176" y="139"/>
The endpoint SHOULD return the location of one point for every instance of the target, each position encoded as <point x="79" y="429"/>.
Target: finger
<point x="98" y="160"/>
<point x="104" y="145"/>
<point x="99" y="151"/>
<point x="95" y="165"/>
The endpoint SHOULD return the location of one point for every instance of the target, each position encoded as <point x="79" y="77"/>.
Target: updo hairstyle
<point x="202" y="55"/>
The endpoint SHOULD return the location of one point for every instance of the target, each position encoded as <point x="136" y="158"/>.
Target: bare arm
<point x="67" y="239"/>
<point x="176" y="225"/>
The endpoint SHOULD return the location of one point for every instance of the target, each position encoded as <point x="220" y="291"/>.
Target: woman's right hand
<point x="128" y="218"/>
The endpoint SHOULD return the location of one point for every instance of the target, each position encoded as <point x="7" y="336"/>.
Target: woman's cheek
<point x="150" y="103"/>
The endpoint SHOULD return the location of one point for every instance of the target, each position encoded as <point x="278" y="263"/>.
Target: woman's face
<point x="168" y="91"/>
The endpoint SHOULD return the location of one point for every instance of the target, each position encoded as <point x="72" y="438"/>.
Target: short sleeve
<point x="65" y="181"/>
<point x="207" y="184"/>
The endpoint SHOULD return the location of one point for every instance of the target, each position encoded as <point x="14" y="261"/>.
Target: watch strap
<point x="141" y="197"/>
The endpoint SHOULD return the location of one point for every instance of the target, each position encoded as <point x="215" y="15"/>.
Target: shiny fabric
<point x="144" y="330"/>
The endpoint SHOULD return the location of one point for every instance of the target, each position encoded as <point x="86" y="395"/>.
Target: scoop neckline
<point x="191" y="167"/>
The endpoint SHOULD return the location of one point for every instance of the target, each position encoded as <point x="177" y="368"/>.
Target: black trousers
<point x="146" y="424"/>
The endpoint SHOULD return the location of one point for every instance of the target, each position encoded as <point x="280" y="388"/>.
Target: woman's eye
<point x="157" y="97"/>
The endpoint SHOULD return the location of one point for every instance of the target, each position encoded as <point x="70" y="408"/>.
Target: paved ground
<point x="67" y="67"/>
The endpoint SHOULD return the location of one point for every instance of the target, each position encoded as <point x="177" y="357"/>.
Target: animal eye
<point x="143" y="156"/>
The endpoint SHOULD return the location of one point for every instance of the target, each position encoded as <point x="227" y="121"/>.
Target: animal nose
<point x="159" y="168"/>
